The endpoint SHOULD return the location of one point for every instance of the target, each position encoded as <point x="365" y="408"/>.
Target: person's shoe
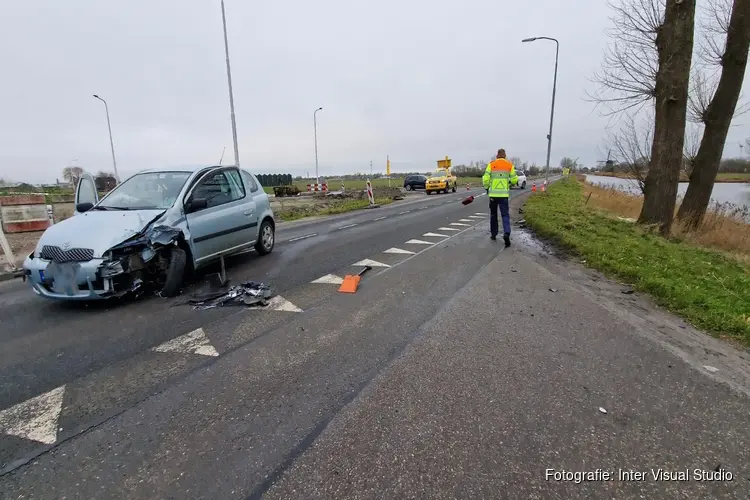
<point x="506" y="237"/>
<point x="493" y="237"/>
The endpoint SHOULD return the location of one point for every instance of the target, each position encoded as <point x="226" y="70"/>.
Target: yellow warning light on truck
<point x="443" y="164"/>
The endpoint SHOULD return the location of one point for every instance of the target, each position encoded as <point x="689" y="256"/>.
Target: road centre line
<point x="393" y="266"/>
<point x="303" y="237"/>
<point x="380" y="218"/>
<point x="348" y="225"/>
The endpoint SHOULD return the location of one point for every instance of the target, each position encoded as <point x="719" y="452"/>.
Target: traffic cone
<point x="533" y="187"/>
<point x="468" y="187"/>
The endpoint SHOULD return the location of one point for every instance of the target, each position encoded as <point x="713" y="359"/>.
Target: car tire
<point x="408" y="187"/>
<point x="523" y="186"/>
<point x="175" y="275"/>
<point x="266" y="238"/>
<point x="427" y="192"/>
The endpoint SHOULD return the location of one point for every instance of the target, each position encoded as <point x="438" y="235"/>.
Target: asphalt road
<point x="46" y="345"/>
<point x="458" y="370"/>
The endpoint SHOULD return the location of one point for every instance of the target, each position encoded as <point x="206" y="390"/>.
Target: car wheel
<point x="427" y="191"/>
<point x="266" y="238"/>
<point x="408" y="187"/>
<point x="523" y="186"/>
<point x="175" y="273"/>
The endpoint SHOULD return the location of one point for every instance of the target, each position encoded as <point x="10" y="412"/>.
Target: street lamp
<point x="554" y="89"/>
<point x="315" y="128"/>
<point x="229" y="81"/>
<point x="111" y="142"/>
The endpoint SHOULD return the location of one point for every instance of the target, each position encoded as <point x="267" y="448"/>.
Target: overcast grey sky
<point x="416" y="80"/>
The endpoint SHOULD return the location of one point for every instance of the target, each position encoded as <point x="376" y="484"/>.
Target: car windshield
<point x="440" y="173"/>
<point x="146" y="191"/>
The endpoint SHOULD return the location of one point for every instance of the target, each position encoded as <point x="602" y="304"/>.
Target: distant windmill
<point x="741" y="150"/>
<point x="608" y="162"/>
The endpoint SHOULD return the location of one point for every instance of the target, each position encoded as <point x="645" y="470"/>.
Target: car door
<point x="226" y="221"/>
<point x="259" y="197"/>
<point x="86" y="191"/>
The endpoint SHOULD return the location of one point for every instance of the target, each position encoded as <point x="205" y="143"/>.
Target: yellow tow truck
<point x="442" y="179"/>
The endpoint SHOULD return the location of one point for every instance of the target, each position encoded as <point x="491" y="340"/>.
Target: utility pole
<point x="554" y="90"/>
<point x="315" y="128"/>
<point x="111" y="142"/>
<point x="231" y="94"/>
<point x="370" y="169"/>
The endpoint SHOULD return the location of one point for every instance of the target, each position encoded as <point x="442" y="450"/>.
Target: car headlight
<point x="112" y="268"/>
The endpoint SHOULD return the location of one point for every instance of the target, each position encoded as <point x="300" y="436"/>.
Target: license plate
<point x="41" y="274"/>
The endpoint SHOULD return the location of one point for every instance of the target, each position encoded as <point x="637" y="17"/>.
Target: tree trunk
<point x="718" y="117"/>
<point x="674" y="44"/>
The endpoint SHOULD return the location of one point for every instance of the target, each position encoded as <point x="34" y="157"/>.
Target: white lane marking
<point x="369" y="262"/>
<point x="34" y="419"/>
<point x="348" y="225"/>
<point x="303" y="237"/>
<point x="476" y="217"/>
<point x="482" y="194"/>
<point x="420" y="242"/>
<point x="424" y="208"/>
<point x="404" y="212"/>
<point x="330" y="279"/>
<point x="195" y="342"/>
<point x="459" y="224"/>
<point x="448" y="229"/>
<point x="480" y="213"/>
<point x="381" y="218"/>
<point x="436" y="235"/>
<point x="465" y="220"/>
<point x="279" y="303"/>
<point x="398" y="250"/>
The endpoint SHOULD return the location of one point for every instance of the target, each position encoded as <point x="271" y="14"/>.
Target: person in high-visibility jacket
<point x="497" y="179"/>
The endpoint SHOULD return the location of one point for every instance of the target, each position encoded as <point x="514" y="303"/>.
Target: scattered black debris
<point x="717" y="468"/>
<point x="553" y="289"/>
<point x="627" y="291"/>
<point x="249" y="293"/>
<point x="520" y="210"/>
<point x="514" y="270"/>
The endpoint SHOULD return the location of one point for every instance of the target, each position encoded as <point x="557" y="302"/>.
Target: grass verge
<point x="706" y="287"/>
<point x="331" y="207"/>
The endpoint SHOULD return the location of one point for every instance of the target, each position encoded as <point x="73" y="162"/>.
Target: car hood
<point x="440" y="178"/>
<point x="97" y="229"/>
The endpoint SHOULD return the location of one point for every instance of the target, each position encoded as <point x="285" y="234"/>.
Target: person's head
<point x="501" y="153"/>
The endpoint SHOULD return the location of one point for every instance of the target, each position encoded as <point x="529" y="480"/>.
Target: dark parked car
<point x="413" y="182"/>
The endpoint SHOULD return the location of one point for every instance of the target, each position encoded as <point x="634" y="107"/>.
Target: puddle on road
<point x="522" y="237"/>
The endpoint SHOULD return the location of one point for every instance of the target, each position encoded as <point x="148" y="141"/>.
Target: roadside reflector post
<point x="370" y="196"/>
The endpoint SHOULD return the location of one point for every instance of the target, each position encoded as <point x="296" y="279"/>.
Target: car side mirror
<point x="84" y="207"/>
<point x="197" y="204"/>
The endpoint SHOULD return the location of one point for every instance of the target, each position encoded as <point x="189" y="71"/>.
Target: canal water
<point x="724" y="192"/>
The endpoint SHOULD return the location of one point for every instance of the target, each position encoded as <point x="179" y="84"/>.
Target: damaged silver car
<point x="151" y="231"/>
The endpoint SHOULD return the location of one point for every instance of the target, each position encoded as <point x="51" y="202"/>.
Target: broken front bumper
<point x="69" y="280"/>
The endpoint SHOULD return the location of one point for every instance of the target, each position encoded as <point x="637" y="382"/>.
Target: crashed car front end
<point x="137" y="264"/>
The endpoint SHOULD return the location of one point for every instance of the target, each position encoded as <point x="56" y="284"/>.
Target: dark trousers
<point x="504" y="212"/>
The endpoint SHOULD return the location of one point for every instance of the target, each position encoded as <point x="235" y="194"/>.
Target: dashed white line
<point x="420" y="242"/>
<point x="371" y="263"/>
<point x="476" y="217"/>
<point x="330" y="279"/>
<point x="399" y="251"/>
<point x="347" y="226"/>
<point x="303" y="237"/>
<point x="465" y="220"/>
<point x="404" y="212"/>
<point x="36" y="418"/>
<point x="436" y="235"/>
<point x="459" y="224"/>
<point x="195" y="342"/>
<point x="449" y="228"/>
<point x="380" y="218"/>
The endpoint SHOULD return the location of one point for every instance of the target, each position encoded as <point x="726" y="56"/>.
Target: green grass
<point x="706" y="288"/>
<point x="330" y="208"/>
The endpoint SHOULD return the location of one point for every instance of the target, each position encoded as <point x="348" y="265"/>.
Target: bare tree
<point x="72" y="174"/>
<point x="674" y="44"/>
<point x="627" y="78"/>
<point x="632" y="144"/>
<point x="718" y="113"/>
<point x="693" y="135"/>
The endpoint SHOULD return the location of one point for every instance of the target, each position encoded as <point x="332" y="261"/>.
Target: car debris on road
<point x="249" y="293"/>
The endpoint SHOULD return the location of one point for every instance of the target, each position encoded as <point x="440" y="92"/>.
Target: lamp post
<point x="315" y="129"/>
<point x="231" y="94"/>
<point x="111" y="142"/>
<point x="554" y="89"/>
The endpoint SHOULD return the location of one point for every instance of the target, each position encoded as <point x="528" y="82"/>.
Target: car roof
<point x="180" y="168"/>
